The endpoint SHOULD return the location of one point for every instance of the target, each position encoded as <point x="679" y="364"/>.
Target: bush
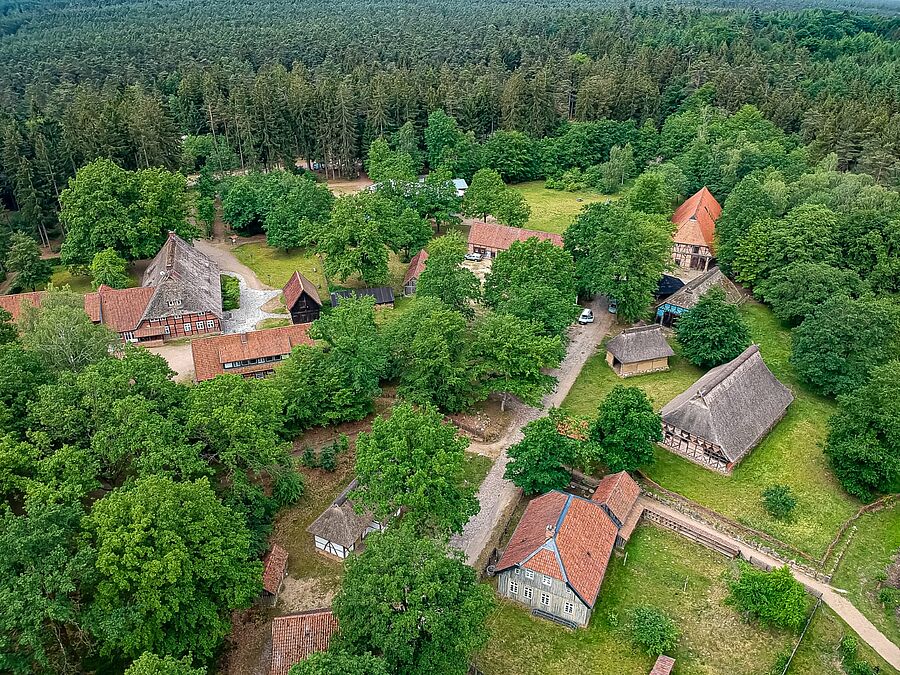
<point x="889" y="597"/>
<point x="289" y="487"/>
<point x="231" y="293"/>
<point x="328" y="458"/>
<point x="779" y="501"/>
<point x="308" y="458"/>
<point x="653" y="631"/>
<point x="774" y="598"/>
<point x="853" y="665"/>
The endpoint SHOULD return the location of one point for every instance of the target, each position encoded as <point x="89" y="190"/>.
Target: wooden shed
<point x="639" y="350"/>
<point x="274" y="572"/>
<point x="301" y="297"/>
<point x="384" y="296"/>
<point x="414" y="271"/>
<point x="668" y="311"/>
<point x="338" y="531"/>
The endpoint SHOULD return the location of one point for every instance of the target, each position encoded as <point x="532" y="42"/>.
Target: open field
<point x="862" y="569"/>
<point x="791" y="454"/>
<point x="77" y="283"/>
<point x="274" y="267"/>
<point x="554" y="210"/>
<point x="663" y="570"/>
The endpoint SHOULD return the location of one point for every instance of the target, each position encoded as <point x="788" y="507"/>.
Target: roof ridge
<point x="727" y="370"/>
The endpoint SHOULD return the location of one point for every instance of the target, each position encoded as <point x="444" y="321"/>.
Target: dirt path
<point x="830" y="595"/>
<point x="227" y="262"/>
<point x="496" y="493"/>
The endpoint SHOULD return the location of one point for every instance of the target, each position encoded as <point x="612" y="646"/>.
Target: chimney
<point x="550" y="532"/>
<point x="243" y="338"/>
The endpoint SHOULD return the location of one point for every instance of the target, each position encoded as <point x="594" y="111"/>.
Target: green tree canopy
<point x="623" y="435"/>
<point x="652" y="193"/>
<point x="353" y="242"/>
<point x="108" y="268"/>
<point x="863" y="443"/>
<point x="24" y="258"/>
<point x="538" y="462"/>
<point x="151" y="664"/>
<point x="172" y="563"/>
<point x="340" y="663"/>
<point x="385" y="164"/>
<point x="533" y="280"/>
<point x="445" y="278"/>
<point x="487" y="194"/>
<point x="773" y="598"/>
<point x="713" y="331"/>
<point x="796" y="290"/>
<point x="413" y="461"/>
<point x="131" y="212"/>
<point x="620" y="253"/>
<point x="412" y="602"/>
<point x="9" y="332"/>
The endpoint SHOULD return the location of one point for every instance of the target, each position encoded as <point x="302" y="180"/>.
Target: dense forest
<point x="254" y="84"/>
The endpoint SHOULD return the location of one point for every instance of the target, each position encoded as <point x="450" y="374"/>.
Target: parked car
<point x="474" y="257"/>
<point x="587" y="316"/>
<point x="613" y="306"/>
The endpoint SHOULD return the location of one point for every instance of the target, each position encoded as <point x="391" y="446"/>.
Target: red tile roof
<point x="564" y="536"/>
<point x="121" y="310"/>
<point x="274" y="568"/>
<point x="295" y="286"/>
<point x="297" y="636"/>
<point x="13" y="303"/>
<point x="211" y="353"/>
<point x="663" y="666"/>
<point x="416" y="265"/>
<point x="619" y="492"/>
<point x="500" y="237"/>
<point x="696" y="219"/>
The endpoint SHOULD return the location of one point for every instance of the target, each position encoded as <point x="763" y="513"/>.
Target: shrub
<point x="289" y="487"/>
<point x="853" y="665"/>
<point x="779" y="501"/>
<point x="308" y="458"/>
<point x="773" y="598"/>
<point x="231" y="293"/>
<point x="328" y="458"/>
<point x="653" y="631"/>
<point x="889" y="597"/>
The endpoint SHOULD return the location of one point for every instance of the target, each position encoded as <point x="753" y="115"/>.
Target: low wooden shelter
<point x="668" y="311"/>
<point x="301" y="298"/>
<point x="384" y="295"/>
<point x="639" y="350"/>
<point x="296" y="636"/>
<point x="695" y="221"/>
<point x="415" y="269"/>
<point x="338" y="531"/>
<point x="719" y="419"/>
<point x="274" y="572"/>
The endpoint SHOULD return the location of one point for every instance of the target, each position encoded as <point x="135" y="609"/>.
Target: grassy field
<point x="274" y="267"/>
<point x="554" y="210"/>
<point x="79" y="284"/>
<point x="791" y="454"/>
<point x="663" y="570"/>
<point x="863" y="566"/>
<point x="272" y="323"/>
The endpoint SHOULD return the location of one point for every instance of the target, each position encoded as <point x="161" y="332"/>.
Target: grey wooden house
<point x="668" y="311"/>
<point x="726" y="413"/>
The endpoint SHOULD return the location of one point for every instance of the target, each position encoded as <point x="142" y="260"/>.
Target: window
<point x="128" y="335"/>
<point x="569" y="608"/>
<point x="513" y="587"/>
<point x="210" y="324"/>
<point x="168" y="331"/>
<point x="229" y="365"/>
<point x="199" y="325"/>
<point x="545" y="599"/>
<point x="546" y="580"/>
<point x="528" y="592"/>
<point x="518" y="571"/>
<point x="529" y="574"/>
<point x="187" y="328"/>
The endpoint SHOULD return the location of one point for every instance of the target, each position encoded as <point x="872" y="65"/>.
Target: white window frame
<point x="545" y="599"/>
<point x="168" y="332"/>
<point x="569" y="608"/>
<point x="210" y="324"/>
<point x="513" y="586"/>
<point x="528" y="592"/>
<point x="529" y="574"/>
<point x="518" y="571"/>
<point x="187" y="327"/>
<point x="546" y="580"/>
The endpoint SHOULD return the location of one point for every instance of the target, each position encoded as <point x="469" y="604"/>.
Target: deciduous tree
<point x="796" y="290"/>
<point x="24" y="258"/>
<point x="625" y="430"/>
<point x="340" y="663"/>
<point x="108" y="268"/>
<point x="444" y="276"/>
<point x="151" y="664"/>
<point x="773" y="598"/>
<point x="538" y="462"/>
<point x="713" y="331"/>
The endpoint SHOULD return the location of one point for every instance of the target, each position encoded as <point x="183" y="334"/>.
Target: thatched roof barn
<point x="339" y="529"/>
<point x="187" y="282"/>
<point x="726" y="413"/>
<point x="689" y="295"/>
<point x="639" y="350"/>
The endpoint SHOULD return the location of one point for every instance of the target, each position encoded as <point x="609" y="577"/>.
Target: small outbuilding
<point x="384" y="296"/>
<point x="639" y="350"/>
<point x="415" y="269"/>
<point x="338" y="531"/>
<point x="274" y="572"/>
<point x="296" y="636"/>
<point x="301" y="298"/>
<point x="719" y="419"/>
<point x="668" y="311"/>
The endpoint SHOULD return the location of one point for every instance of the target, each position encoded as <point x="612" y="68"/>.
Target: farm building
<point x="338" y="531"/>
<point x="415" y="269"/>
<point x="301" y="298"/>
<point x="558" y="554"/>
<point x="489" y="239"/>
<point x="695" y="220"/>
<point x="274" y="572"/>
<point x="726" y="413"/>
<point x="296" y="636"/>
<point x="461" y="186"/>
<point x="668" y="285"/>
<point x="687" y="296"/>
<point x="384" y="296"/>
<point x="617" y="494"/>
<point x="254" y="354"/>
<point x="638" y="350"/>
<point x="663" y="665"/>
<point x="180" y="297"/>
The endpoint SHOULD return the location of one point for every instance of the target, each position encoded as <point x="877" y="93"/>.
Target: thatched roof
<point x="733" y="405"/>
<point x="642" y="343"/>
<point x="186" y="281"/>
<point x="340" y="523"/>
<point x="691" y="292"/>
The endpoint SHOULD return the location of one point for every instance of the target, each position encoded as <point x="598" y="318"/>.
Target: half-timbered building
<point x="301" y="298"/>
<point x="726" y="413"/>
<point x="254" y="354"/>
<point x="489" y="239"/>
<point x="339" y="530"/>
<point x="668" y="311"/>
<point x="695" y="229"/>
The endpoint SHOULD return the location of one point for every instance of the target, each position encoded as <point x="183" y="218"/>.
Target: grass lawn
<point x="78" y="284"/>
<point x="554" y="210"/>
<point x="791" y="454"/>
<point x="272" y="323"/>
<point x="665" y="571"/>
<point x="274" y="267"/>
<point x="476" y="468"/>
<point x="863" y="566"/>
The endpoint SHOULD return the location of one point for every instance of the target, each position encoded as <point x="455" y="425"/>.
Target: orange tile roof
<point x="13" y="303"/>
<point x="696" y="220"/>
<point x="500" y="237"/>
<point x="297" y="636"/>
<point x="121" y="310"/>
<point x="564" y="536"/>
<point x="663" y="665"/>
<point x="416" y="265"/>
<point x="274" y="567"/>
<point x="619" y="492"/>
<point x="295" y="286"/>
<point x="212" y="352"/>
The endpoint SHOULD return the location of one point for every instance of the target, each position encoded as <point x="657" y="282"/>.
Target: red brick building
<point x="253" y="354"/>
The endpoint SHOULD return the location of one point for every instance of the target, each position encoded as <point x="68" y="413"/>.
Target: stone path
<point x="250" y="312"/>
<point x="830" y="596"/>
<point x="497" y="494"/>
<point x="221" y="253"/>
